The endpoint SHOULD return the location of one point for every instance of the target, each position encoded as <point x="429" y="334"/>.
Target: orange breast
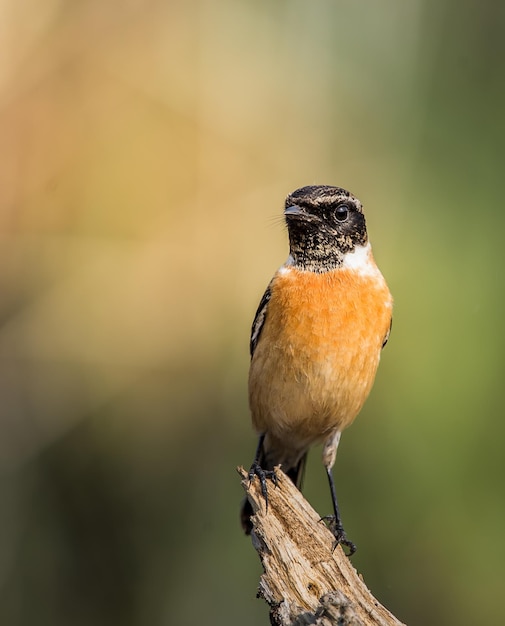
<point x="318" y="353"/>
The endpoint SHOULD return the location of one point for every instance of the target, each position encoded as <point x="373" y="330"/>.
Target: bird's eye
<point x="342" y="212"/>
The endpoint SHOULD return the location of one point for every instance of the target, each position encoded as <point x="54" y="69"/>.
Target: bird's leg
<point x="335" y="521"/>
<point x="262" y="474"/>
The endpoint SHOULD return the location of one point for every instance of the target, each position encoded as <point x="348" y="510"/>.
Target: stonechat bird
<point x="316" y="339"/>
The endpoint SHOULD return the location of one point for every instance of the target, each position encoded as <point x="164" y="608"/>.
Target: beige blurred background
<point x="146" y="148"/>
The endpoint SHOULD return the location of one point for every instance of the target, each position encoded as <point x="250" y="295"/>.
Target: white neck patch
<point x="360" y="260"/>
<point x="286" y="268"/>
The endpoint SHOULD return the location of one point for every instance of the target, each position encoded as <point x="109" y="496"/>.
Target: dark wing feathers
<point x="259" y="320"/>
<point x="388" y="333"/>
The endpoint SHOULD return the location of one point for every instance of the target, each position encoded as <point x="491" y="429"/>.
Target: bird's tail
<point x="297" y="473"/>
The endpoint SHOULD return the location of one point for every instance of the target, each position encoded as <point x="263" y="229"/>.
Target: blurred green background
<point x="146" y="148"/>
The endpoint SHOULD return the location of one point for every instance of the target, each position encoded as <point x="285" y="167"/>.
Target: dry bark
<point x="305" y="580"/>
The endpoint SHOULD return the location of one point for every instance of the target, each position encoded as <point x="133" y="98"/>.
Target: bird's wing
<point x="388" y="333"/>
<point x="259" y="319"/>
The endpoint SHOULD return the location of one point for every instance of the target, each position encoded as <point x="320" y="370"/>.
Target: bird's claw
<point x="339" y="534"/>
<point x="263" y="475"/>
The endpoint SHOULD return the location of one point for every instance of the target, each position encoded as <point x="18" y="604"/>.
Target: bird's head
<point x="324" y="224"/>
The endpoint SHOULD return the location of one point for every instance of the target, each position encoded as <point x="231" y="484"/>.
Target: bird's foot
<point x="263" y="475"/>
<point x="339" y="533"/>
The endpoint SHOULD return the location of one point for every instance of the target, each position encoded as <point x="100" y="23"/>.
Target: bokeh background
<point x="146" y="148"/>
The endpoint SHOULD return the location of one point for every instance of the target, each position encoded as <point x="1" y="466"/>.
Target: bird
<point x="316" y="341"/>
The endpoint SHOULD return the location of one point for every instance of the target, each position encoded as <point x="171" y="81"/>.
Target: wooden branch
<point x="305" y="580"/>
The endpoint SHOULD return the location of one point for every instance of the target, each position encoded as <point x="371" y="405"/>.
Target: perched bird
<point x="316" y="339"/>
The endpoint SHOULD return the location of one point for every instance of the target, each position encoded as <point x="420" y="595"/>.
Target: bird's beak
<point x="294" y="210"/>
